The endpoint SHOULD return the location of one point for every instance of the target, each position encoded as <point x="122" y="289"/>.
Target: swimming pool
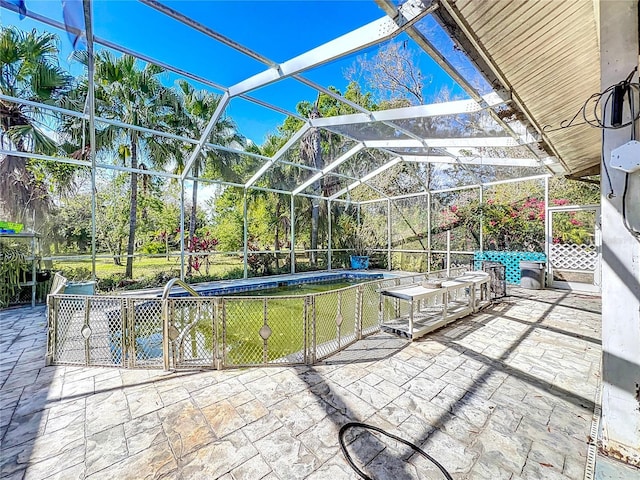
<point x="240" y="286"/>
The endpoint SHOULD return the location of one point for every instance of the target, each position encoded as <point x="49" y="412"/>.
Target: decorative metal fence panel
<point x="87" y="330"/>
<point x="571" y="256"/>
<point x="104" y="321"/>
<point x="69" y="344"/>
<point x="286" y="343"/>
<point x="370" y="307"/>
<point x="192" y="332"/>
<point x="143" y="333"/>
<point x="242" y="321"/>
<point x="263" y="331"/>
<point x="336" y="321"/>
<point x="215" y="332"/>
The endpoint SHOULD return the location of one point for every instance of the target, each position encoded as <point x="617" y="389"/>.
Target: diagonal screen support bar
<point x="297" y="136"/>
<point x="358" y="39"/>
<point x="332" y="166"/>
<point x="222" y="104"/>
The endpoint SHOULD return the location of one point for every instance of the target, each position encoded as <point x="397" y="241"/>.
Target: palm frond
<point x="39" y="142"/>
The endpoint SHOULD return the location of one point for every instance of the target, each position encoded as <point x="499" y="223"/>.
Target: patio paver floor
<point x="504" y="394"/>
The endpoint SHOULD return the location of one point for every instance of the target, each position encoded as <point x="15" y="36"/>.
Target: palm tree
<point x="137" y="97"/>
<point x="311" y="154"/>
<point x="198" y="108"/>
<point x="279" y="176"/>
<point x="29" y="70"/>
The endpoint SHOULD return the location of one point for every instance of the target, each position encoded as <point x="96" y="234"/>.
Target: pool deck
<point x="507" y="393"/>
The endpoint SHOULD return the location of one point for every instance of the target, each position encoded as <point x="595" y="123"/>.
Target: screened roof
<point x="491" y="128"/>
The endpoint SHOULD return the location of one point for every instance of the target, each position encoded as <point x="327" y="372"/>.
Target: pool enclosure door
<point x="574" y="248"/>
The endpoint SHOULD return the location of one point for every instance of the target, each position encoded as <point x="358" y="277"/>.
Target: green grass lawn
<point x="146" y="269"/>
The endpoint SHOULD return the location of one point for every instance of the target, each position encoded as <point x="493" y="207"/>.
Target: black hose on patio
<point x="415" y="448"/>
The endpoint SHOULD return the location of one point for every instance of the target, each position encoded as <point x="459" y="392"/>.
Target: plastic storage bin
<point x="532" y="275"/>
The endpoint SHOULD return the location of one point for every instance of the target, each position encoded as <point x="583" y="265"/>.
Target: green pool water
<point x="293" y="321"/>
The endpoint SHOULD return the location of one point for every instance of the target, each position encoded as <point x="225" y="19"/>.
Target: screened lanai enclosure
<point x="395" y="140"/>
<point x="211" y="145"/>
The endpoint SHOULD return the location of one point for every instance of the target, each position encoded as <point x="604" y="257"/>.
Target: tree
<point x="319" y="147"/>
<point x="135" y="96"/>
<point x="228" y="222"/>
<point x="277" y="220"/>
<point x="29" y="70"/>
<point x="394" y="73"/>
<point x="311" y="154"/>
<point x="198" y="108"/>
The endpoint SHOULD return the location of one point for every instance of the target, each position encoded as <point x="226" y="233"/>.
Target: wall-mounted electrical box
<point x="626" y="157"/>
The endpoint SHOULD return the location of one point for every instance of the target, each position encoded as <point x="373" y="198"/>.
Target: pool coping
<point x="241" y="285"/>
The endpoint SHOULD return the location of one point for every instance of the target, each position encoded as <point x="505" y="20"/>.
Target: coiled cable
<point x="415" y="448"/>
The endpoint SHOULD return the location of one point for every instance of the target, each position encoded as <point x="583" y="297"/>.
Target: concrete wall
<point x="620" y="251"/>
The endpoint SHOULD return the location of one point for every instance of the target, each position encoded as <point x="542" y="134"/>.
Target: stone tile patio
<point x="504" y="394"/>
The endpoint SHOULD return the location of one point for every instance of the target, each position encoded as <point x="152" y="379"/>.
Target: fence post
<point x="314" y="345"/>
<point x="165" y="334"/>
<point x="130" y="337"/>
<point x="265" y="334"/>
<point x="223" y="350"/>
<point x="87" y="345"/>
<point x="359" y="299"/>
<point x="52" y="323"/>
<point x="380" y="307"/>
<point x="217" y="361"/>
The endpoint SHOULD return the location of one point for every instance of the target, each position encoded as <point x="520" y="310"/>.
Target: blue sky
<point x="278" y="30"/>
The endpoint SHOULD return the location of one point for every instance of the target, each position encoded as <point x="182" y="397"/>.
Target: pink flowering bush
<point x="514" y="226"/>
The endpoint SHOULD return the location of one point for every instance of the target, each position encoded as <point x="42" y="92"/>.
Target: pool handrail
<point x="176" y="281"/>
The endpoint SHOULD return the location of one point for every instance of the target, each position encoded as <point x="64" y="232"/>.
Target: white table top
<point x="416" y="291"/>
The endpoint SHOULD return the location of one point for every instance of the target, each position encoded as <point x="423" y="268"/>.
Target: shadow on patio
<point x="506" y="392"/>
<point x="468" y="399"/>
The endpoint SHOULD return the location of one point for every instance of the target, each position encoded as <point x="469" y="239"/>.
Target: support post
<point x="90" y="105"/>
<point x="329" y="235"/>
<point x="182" y="230"/>
<point x="428" y="232"/>
<point x="245" y="236"/>
<point x="548" y="278"/>
<point x="620" y="249"/>
<point x="389" y="235"/>
<point x="448" y="252"/>
<point x="481" y="199"/>
<point x="292" y="236"/>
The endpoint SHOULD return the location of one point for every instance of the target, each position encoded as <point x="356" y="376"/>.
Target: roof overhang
<point x="546" y="55"/>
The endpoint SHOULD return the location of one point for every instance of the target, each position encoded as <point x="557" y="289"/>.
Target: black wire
<point x="611" y="194"/>
<point x="597" y="99"/>
<point x="606" y="169"/>
<point x="628" y="226"/>
<point x="597" y="122"/>
<point x="632" y="111"/>
<point x="415" y="448"/>
<point x="630" y="76"/>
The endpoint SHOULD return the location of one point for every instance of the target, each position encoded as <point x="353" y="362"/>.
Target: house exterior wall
<point x="620" y="250"/>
